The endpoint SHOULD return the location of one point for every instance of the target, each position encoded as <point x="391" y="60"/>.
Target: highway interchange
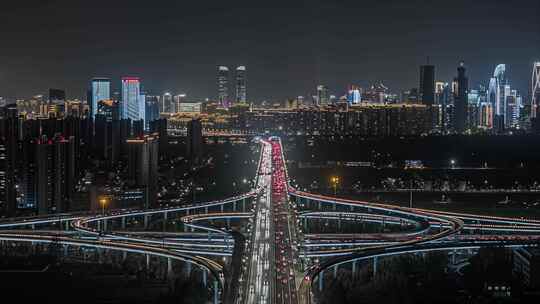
<point x="276" y="245"/>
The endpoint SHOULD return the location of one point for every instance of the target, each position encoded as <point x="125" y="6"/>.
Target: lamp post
<point x="103" y="202"/>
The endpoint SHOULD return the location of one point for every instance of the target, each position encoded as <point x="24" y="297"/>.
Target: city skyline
<point x="392" y="54"/>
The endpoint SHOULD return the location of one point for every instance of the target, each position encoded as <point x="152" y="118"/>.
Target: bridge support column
<point x="33" y="227"/>
<point x="187" y="211"/>
<point x="124" y="256"/>
<point x="205" y="210"/>
<point x="375" y="259"/>
<point x="228" y="223"/>
<point x="66" y="249"/>
<point x="165" y="221"/>
<point x="321" y="280"/>
<point x="104" y="225"/>
<point x="146" y="218"/>
<point x="319" y="205"/>
<point x="454" y="253"/>
<point x="147" y="262"/>
<point x="335" y="271"/>
<point x="334" y="206"/>
<point x="169" y="268"/>
<point x="243" y="205"/>
<point x="216" y="292"/>
<point x="204" y="277"/>
<point x="188" y="269"/>
<point x="221" y="206"/>
<point x="354" y="267"/>
<point x="234" y="206"/>
<point x="99" y="225"/>
<point x="67" y="225"/>
<point x="123" y="223"/>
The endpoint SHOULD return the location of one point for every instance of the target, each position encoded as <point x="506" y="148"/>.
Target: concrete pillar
<point x="99" y="225"/>
<point x="244" y="205"/>
<point x="123" y="223"/>
<point x="321" y="280"/>
<point x="124" y="256"/>
<point x="188" y="269"/>
<point x="228" y="223"/>
<point x="375" y="258"/>
<point x="204" y="277"/>
<point x="221" y="206"/>
<point x="147" y="261"/>
<point x="216" y="292"/>
<point x="319" y="204"/>
<point x="234" y="206"/>
<point x="169" y="268"/>
<point x="335" y="270"/>
<point x="67" y="225"/>
<point x="354" y="267"/>
<point x="165" y="221"/>
<point x="205" y="210"/>
<point x="454" y="253"/>
<point x="146" y="218"/>
<point x="66" y="248"/>
<point x="104" y="225"/>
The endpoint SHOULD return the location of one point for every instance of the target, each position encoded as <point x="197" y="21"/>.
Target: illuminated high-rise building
<point x="100" y="90"/>
<point x="354" y="96"/>
<point x="535" y="89"/>
<point x="167" y="103"/>
<point x="427" y="84"/>
<point x="323" y="97"/>
<point x="133" y="105"/>
<point x="223" y="86"/>
<point x="461" y="87"/>
<point x="241" y="88"/>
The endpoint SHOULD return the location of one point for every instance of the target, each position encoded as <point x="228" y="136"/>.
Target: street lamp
<point x="103" y="202"/>
<point x="335" y="182"/>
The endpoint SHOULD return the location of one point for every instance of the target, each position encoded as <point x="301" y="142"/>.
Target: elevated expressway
<point x="275" y="241"/>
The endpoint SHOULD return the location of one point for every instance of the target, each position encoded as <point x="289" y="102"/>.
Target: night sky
<point x="288" y="47"/>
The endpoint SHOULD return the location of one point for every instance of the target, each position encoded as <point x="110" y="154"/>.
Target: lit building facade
<point x="223" y="86"/>
<point x="133" y="105"/>
<point x="241" y="85"/>
<point x="100" y="90"/>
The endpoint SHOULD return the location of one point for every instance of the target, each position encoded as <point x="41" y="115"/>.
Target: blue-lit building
<point x="133" y="103"/>
<point x="100" y="90"/>
<point x="354" y="96"/>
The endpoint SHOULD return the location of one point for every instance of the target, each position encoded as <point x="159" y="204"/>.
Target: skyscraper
<point x="460" y="99"/>
<point x="143" y="165"/>
<point x="427" y="84"/>
<point x="323" y="97"/>
<point x="100" y="90"/>
<point x="194" y="141"/>
<point x="223" y="86"/>
<point x="167" y="103"/>
<point x="133" y="105"/>
<point x="535" y="89"/>
<point x="241" y="89"/>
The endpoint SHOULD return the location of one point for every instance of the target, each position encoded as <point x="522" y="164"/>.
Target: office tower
<point x="167" y="103"/>
<point x="100" y="90"/>
<point x="486" y="115"/>
<point x="241" y="88"/>
<point x="460" y="99"/>
<point x="498" y="97"/>
<point x="194" y="141"/>
<point x="178" y="101"/>
<point x="535" y="89"/>
<point x="132" y="105"/>
<point x="323" y="97"/>
<point x="354" y="96"/>
<point x="223" y="86"/>
<point x="143" y="166"/>
<point x="427" y="84"/>
<point x="152" y="109"/>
